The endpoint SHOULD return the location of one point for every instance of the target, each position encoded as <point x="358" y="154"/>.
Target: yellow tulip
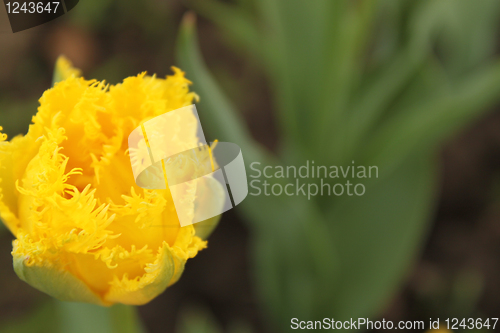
<point x="84" y="231"/>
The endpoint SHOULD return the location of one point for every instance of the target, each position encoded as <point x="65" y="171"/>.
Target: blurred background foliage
<point x="379" y="82"/>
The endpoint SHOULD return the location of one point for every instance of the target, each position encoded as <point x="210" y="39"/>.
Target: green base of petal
<point x="57" y="283"/>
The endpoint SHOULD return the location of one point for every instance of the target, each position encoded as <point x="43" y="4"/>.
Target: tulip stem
<point x="84" y="318"/>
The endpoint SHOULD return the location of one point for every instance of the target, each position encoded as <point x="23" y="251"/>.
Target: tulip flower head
<point x="84" y="231"/>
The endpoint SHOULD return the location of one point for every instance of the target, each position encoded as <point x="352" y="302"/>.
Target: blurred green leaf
<point x="345" y="256"/>
<point x="197" y="321"/>
<point x="470" y="33"/>
<point x="428" y="123"/>
<point x="239" y="27"/>
<point x="466" y="293"/>
<point x="296" y="254"/>
<point x="296" y="36"/>
<point x="343" y="66"/>
<point x="42" y="320"/>
<point x="91" y="14"/>
<point x="391" y="80"/>
<point x="298" y="249"/>
<point x="220" y="118"/>
<point x="378" y="235"/>
<point x="201" y="320"/>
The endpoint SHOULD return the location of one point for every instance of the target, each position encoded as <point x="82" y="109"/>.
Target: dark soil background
<point x="458" y="270"/>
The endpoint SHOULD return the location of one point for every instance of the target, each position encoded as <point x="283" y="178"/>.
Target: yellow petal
<point x="53" y="280"/>
<point x="64" y="69"/>
<point x="165" y="271"/>
<point x="211" y="191"/>
<point x="85" y="231"/>
<point x="142" y="290"/>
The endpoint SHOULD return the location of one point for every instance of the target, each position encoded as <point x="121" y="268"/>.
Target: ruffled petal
<point x="53" y="280"/>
